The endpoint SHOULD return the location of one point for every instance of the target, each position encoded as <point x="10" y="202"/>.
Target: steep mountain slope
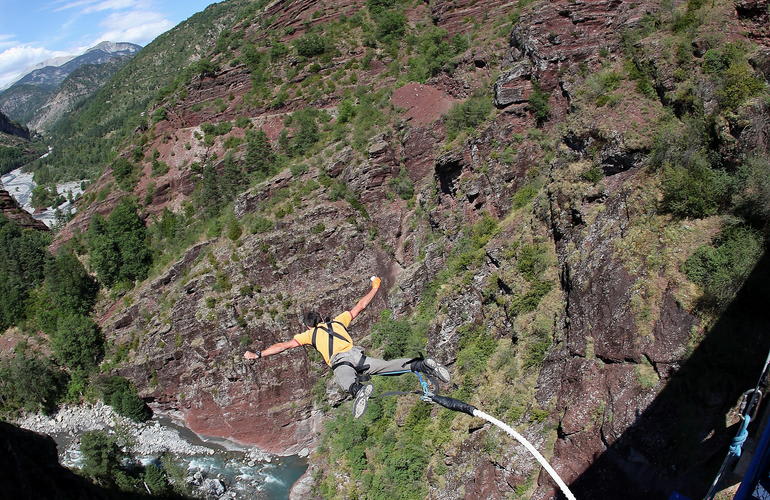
<point x="45" y="87"/>
<point x="78" y="85"/>
<point x="84" y="141"/>
<point x="15" y="146"/>
<point x="570" y="253"/>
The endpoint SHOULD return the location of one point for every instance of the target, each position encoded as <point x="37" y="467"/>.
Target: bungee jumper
<point x="350" y="365"/>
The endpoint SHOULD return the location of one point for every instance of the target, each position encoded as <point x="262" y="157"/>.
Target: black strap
<point x="329" y="329"/>
<point x="360" y="368"/>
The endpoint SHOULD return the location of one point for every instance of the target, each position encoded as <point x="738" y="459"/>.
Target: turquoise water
<point x="262" y="481"/>
<point x="229" y="463"/>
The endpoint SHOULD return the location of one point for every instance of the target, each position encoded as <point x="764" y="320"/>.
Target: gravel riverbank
<point x="149" y="438"/>
<point x="217" y="469"/>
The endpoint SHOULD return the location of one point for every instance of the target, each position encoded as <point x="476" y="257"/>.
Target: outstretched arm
<point x="273" y="349"/>
<point x="361" y="305"/>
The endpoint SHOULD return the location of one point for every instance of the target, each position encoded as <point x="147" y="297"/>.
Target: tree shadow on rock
<point x="679" y="441"/>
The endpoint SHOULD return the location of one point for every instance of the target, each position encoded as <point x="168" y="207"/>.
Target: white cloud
<point x="15" y="60"/>
<point x="138" y="26"/>
<point x="112" y="5"/>
<point x="75" y="4"/>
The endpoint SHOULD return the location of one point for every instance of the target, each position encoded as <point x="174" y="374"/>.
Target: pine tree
<point x="104" y="256"/>
<point x="78" y="342"/>
<point x="260" y="157"/>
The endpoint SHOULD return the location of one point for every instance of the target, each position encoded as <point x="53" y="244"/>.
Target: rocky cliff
<point x="533" y="247"/>
<point x="10" y="208"/>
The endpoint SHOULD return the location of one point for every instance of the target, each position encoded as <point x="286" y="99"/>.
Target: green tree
<point x="128" y="230"/>
<point x="208" y="193"/>
<point x="30" y="383"/>
<point x="104" y="255"/>
<point x="155" y="479"/>
<point x="78" y="342"/>
<point x="125" y="173"/>
<point x="260" y="156"/>
<point x="311" y="45"/>
<point x="102" y="456"/>
<point x="68" y="284"/>
<point x="306" y="134"/>
<point x="23" y="257"/>
<point x="121" y="394"/>
<point x="43" y="196"/>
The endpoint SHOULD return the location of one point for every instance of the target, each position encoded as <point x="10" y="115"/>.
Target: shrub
<point x="739" y="84"/>
<point x="525" y="194"/>
<point x="467" y="115"/>
<point x="391" y="24"/>
<point x="403" y="185"/>
<point x="433" y="53"/>
<point x="593" y="174"/>
<point x="261" y="225"/>
<point x="395" y="335"/>
<point x="159" y="115"/>
<point x="159" y="168"/>
<point x="233" y="229"/>
<point x="125" y="173"/>
<point x="532" y="262"/>
<point x="695" y="190"/>
<point x="721" y="269"/>
<point x="538" y="103"/>
<point x="278" y="51"/>
<point x="753" y="196"/>
<point x="310" y="45"/>
<point x="528" y="302"/>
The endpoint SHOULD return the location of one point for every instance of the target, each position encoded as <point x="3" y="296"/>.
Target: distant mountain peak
<point x="112" y="47"/>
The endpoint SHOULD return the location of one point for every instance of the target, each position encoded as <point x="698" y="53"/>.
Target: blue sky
<point x="32" y="31"/>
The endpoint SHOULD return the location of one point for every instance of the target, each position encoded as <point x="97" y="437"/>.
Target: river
<point x="244" y="471"/>
<point x="20" y="185"/>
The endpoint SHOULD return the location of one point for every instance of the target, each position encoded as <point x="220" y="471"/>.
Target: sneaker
<point x="362" y="397"/>
<point x="433" y="368"/>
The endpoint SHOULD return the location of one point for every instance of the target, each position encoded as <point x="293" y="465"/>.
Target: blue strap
<point x="737" y="443"/>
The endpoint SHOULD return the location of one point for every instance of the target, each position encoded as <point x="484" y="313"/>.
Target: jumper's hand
<point x="376" y="282"/>
<point x="252" y="355"/>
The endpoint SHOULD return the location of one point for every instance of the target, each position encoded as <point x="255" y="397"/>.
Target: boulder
<point x="514" y="86"/>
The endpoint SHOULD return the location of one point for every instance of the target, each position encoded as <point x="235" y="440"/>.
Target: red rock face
<point x="754" y="16"/>
<point x="190" y="329"/>
<point x="11" y="209"/>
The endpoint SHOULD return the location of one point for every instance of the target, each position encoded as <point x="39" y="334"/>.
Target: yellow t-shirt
<point x="329" y="345"/>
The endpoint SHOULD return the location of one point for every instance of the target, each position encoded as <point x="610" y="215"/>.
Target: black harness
<point x="330" y="333"/>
